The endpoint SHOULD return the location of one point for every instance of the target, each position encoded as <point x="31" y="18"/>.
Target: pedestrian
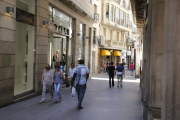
<point x="81" y="74"/>
<point x="120" y="70"/>
<point x="131" y="69"/>
<point x="47" y="80"/>
<point x="70" y="74"/>
<point x="58" y="75"/>
<point x="61" y="66"/>
<point x="104" y="67"/>
<point x="112" y="72"/>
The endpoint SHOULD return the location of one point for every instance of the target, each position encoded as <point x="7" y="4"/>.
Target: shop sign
<point x="128" y="52"/>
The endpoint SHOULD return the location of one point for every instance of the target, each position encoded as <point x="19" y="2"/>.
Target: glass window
<point x="118" y="16"/>
<point x="107" y="10"/>
<point x="26" y="5"/>
<point x="104" y="32"/>
<point x="81" y="41"/>
<point x="111" y="35"/>
<point x="117" y="36"/>
<point x="24" y="59"/>
<point x="112" y="11"/>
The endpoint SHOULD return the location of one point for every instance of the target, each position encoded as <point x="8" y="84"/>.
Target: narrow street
<point x="100" y="103"/>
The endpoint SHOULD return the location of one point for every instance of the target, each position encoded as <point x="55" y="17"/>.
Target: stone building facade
<point x="113" y="28"/>
<point x="34" y="33"/>
<point x="160" y="78"/>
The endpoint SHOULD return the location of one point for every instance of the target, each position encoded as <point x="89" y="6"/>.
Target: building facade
<point x="111" y="32"/>
<point x="34" y="33"/>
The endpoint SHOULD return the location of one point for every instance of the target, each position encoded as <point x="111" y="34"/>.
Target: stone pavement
<point x="100" y="103"/>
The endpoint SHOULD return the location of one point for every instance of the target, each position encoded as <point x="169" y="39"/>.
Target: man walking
<point x="112" y="72"/>
<point x="131" y="69"/>
<point x="120" y="70"/>
<point x="81" y="74"/>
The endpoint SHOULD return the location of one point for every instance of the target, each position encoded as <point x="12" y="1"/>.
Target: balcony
<point x="134" y="30"/>
<point x="112" y="44"/>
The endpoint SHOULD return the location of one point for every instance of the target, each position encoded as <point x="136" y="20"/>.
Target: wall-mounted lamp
<point x="45" y="22"/>
<point x="9" y="9"/>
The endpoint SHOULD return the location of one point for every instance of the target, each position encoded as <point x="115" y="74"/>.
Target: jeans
<point x="44" y="90"/>
<point x="81" y="92"/>
<point x="111" y="77"/>
<point x="57" y="90"/>
<point x="104" y="70"/>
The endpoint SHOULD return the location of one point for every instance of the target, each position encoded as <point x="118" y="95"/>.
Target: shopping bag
<point x="73" y="92"/>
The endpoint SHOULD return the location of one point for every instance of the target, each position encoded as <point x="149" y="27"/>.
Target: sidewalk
<point x="100" y="103"/>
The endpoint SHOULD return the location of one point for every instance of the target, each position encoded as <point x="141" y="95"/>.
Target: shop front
<point x="25" y="47"/>
<point x="117" y="59"/>
<point x="59" y="38"/>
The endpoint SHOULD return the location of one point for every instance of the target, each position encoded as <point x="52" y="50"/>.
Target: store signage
<point x="128" y="52"/>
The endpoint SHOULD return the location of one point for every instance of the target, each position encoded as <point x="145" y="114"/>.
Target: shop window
<point x="24" y="59"/>
<point x="107" y="10"/>
<point x="81" y="41"/>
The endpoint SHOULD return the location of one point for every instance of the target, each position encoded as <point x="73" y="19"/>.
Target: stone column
<point x="42" y="14"/>
<point x="156" y="58"/>
<point x="76" y="40"/>
<point x="146" y="62"/>
<point x="171" y="62"/>
<point x="7" y="51"/>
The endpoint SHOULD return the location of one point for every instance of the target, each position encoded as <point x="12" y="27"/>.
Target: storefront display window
<point x="81" y="41"/>
<point x="24" y="59"/>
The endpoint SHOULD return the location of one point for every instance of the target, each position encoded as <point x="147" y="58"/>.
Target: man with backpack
<point x="81" y="74"/>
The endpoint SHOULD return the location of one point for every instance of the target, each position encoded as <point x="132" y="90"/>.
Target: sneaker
<point x="121" y="85"/>
<point x="79" y="107"/>
<point x="60" y="99"/>
<point x="41" y="101"/>
<point x="55" y="101"/>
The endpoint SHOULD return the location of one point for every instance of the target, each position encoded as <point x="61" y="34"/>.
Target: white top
<point x="47" y="76"/>
<point x="71" y="72"/>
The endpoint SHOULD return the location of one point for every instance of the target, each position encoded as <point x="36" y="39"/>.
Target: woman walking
<point x="70" y="74"/>
<point x="58" y="76"/>
<point x="47" y="79"/>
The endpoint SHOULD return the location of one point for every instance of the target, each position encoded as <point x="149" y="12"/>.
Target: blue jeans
<point x="104" y="70"/>
<point x="81" y="93"/>
<point x="57" y="90"/>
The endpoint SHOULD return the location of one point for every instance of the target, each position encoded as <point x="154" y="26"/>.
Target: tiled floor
<point x="100" y="103"/>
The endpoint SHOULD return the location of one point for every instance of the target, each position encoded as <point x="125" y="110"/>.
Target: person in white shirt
<point x="70" y="74"/>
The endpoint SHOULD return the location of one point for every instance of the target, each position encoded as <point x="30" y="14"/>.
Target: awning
<point x="117" y="53"/>
<point x="105" y="53"/>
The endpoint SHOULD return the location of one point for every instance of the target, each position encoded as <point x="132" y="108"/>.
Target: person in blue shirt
<point x="120" y="71"/>
<point x="61" y="66"/>
<point x="81" y="74"/>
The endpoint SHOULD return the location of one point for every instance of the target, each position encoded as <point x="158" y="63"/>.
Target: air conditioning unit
<point x="102" y="40"/>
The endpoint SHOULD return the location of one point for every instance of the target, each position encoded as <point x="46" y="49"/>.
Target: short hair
<point x="48" y="67"/>
<point x="61" y="63"/>
<point x="81" y="61"/>
<point x="111" y="63"/>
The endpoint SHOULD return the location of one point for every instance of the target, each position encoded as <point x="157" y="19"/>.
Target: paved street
<point x="100" y="103"/>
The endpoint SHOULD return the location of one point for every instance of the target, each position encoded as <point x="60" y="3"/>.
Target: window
<point x="111" y="35"/>
<point x="118" y="16"/>
<point x="104" y="32"/>
<point x="122" y="37"/>
<point x="107" y="10"/>
<point x="90" y="1"/>
<point x="112" y="11"/>
<point x="122" y="19"/>
<point x="117" y="36"/>
<point x="95" y="8"/>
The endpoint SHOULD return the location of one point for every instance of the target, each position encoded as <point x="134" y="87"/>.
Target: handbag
<point x="73" y="92"/>
<point x="67" y="83"/>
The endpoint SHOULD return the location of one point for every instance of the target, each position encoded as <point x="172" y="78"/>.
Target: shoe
<point x="121" y="85"/>
<point x="79" y="107"/>
<point x="41" y="101"/>
<point x="117" y="86"/>
<point x="60" y="99"/>
<point x="109" y="86"/>
<point x="55" y="101"/>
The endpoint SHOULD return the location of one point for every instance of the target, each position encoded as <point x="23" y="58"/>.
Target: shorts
<point x="120" y="76"/>
<point x="131" y="69"/>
